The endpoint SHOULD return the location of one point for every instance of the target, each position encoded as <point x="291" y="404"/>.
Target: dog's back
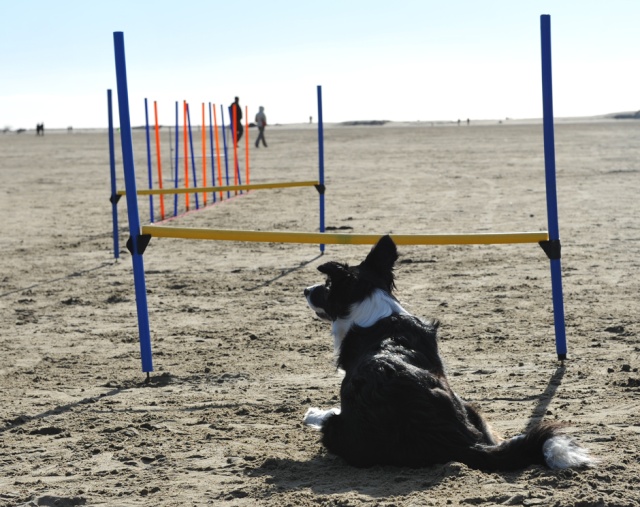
<point x="397" y="406"/>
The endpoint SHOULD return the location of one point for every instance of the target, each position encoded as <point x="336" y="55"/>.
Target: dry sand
<point x="239" y="357"/>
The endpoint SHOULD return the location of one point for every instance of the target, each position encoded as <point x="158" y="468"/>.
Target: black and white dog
<point x="397" y="407"/>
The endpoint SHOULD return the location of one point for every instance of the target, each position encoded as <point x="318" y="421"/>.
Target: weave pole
<point x="204" y="156"/>
<point x="185" y="141"/>
<point x="193" y="156"/>
<point x="136" y="241"/>
<point x="321" y="186"/>
<point x="213" y="165"/>
<point x="215" y="129"/>
<point x="234" y="137"/>
<point x="177" y="169"/>
<point x="149" y="165"/>
<point x="226" y="154"/>
<point x="159" y="157"/>
<point x="246" y="141"/>
<point x="112" y="165"/>
<point x="552" y="247"/>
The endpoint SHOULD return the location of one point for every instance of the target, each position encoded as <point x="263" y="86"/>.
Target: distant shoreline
<point x="611" y="117"/>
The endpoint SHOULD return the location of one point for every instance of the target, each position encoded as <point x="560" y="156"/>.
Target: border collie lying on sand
<point x="396" y="404"/>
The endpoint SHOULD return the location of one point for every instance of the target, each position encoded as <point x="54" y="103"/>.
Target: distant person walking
<point x="261" y="122"/>
<point x="235" y="106"/>
<point x="40" y="129"/>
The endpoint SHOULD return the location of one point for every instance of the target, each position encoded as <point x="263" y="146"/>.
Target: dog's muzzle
<point x="316" y="297"/>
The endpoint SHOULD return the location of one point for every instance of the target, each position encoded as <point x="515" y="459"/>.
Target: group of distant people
<point x="40" y="129"/>
<point x="235" y="113"/>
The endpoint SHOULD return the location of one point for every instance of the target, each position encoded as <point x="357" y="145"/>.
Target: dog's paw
<point x="315" y="417"/>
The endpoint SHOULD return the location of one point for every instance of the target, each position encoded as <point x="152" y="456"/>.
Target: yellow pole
<point x="343" y="239"/>
<point x="193" y="190"/>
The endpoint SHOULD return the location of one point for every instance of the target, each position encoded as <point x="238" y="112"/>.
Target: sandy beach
<point x="239" y="357"/>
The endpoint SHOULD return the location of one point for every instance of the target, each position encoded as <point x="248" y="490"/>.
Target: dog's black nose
<point x="306" y="292"/>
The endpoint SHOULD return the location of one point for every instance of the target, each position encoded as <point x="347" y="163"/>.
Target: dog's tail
<point x="543" y="444"/>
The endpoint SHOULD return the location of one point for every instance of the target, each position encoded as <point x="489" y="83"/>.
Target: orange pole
<point x="186" y="152"/>
<point x="204" y="155"/>
<point x="215" y="129"/>
<point x="234" y="129"/>
<point x="158" y="152"/>
<point x="246" y="140"/>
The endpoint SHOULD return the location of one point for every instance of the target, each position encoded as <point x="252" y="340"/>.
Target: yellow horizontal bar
<point x="343" y="239"/>
<point x="228" y="188"/>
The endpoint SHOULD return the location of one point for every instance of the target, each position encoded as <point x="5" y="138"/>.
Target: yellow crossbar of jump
<point x="228" y="188"/>
<point x="344" y="239"/>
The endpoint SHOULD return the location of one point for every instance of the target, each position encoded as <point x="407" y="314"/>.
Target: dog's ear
<point x="382" y="257"/>
<point x="334" y="270"/>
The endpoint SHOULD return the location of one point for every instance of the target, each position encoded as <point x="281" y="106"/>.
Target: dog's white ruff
<point x="365" y="314"/>
<point x="315" y="417"/>
<point x="561" y="452"/>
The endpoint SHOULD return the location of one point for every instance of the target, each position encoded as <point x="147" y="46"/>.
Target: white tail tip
<point x="562" y="452"/>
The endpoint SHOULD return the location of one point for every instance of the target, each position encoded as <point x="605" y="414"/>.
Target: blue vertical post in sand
<point x="213" y="165"/>
<point x="112" y="164"/>
<point x="175" y="197"/>
<point x="552" y="247"/>
<point x="321" y="162"/>
<point x="149" y="164"/>
<point x="132" y="204"/>
<point x="224" y="142"/>
<point x="193" y="157"/>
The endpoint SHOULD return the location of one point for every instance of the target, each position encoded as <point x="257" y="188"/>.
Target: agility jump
<point x="140" y="236"/>
<point x="215" y="153"/>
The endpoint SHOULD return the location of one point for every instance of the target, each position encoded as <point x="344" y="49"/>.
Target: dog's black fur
<point x="397" y="407"/>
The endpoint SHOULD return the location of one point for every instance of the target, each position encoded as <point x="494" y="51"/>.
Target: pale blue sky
<point x="401" y="60"/>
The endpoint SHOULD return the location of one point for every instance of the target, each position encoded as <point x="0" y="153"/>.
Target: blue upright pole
<point x="112" y="164"/>
<point x="193" y="158"/>
<point x="132" y="204"/>
<point x="321" y="162"/>
<point x="553" y="245"/>
<point x="175" y="197"/>
<point x="224" y="143"/>
<point x="149" y="164"/>
<point x="213" y="165"/>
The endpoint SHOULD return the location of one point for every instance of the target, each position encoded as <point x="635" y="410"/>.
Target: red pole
<point x="234" y="114"/>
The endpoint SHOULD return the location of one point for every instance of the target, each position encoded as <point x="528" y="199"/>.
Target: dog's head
<point x="347" y="285"/>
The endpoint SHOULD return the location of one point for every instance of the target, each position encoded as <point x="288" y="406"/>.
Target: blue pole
<point x="213" y="166"/>
<point x="132" y="203"/>
<point x="149" y="168"/>
<point x="175" y="197"/>
<point x="193" y="158"/>
<point x="224" y="144"/>
<point x="321" y="162"/>
<point x="112" y="164"/>
<point x="552" y="199"/>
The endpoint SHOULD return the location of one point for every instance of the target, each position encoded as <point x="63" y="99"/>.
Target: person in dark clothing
<point x="239" y="130"/>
